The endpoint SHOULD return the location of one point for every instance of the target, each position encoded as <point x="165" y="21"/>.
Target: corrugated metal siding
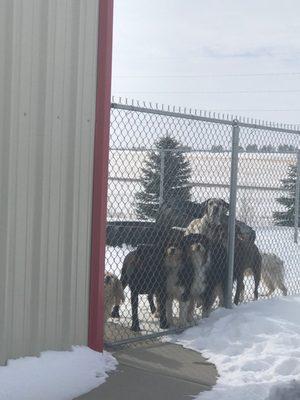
<point x="47" y="102"/>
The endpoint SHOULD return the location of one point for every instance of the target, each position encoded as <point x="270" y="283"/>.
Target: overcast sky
<point x="233" y="56"/>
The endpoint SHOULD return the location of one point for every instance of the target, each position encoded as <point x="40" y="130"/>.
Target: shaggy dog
<point x="210" y="264"/>
<point x="199" y="256"/>
<point x="272" y="273"/>
<point x="186" y="274"/>
<point x="167" y="239"/>
<point x="173" y="265"/>
<point x="113" y="293"/>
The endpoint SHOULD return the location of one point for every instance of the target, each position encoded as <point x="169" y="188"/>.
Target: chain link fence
<point x="201" y="214"/>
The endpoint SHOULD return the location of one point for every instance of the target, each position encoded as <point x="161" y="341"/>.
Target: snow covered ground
<point x="255" y="347"/>
<point x="55" y="375"/>
<point x="285" y="391"/>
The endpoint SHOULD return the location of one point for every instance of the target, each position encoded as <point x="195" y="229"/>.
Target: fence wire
<point x="170" y="181"/>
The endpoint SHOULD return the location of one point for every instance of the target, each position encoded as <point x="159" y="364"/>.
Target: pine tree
<point x="177" y="172"/>
<point x="286" y="218"/>
<point x="252" y="148"/>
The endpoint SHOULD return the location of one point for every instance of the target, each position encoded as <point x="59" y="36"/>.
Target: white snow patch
<point x="59" y="375"/>
<point x="285" y="391"/>
<point x="255" y="347"/>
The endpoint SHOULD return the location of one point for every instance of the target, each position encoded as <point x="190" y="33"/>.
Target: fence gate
<point x="163" y="167"/>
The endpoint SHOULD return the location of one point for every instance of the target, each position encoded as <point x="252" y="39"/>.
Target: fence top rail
<point x="205" y="116"/>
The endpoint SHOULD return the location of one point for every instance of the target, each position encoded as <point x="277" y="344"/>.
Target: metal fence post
<point x="232" y="211"/>
<point x="297" y="189"/>
<point x="162" y="176"/>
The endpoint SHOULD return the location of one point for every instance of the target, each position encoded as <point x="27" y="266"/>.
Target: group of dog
<point x="190" y="265"/>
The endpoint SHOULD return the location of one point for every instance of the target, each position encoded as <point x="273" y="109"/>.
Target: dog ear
<point x="204" y="206"/>
<point x="225" y="205"/>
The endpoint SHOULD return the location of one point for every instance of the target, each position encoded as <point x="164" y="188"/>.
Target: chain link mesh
<point x="167" y="241"/>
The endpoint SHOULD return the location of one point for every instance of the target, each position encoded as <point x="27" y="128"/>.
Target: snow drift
<point x="255" y="347"/>
<point x="59" y="375"/>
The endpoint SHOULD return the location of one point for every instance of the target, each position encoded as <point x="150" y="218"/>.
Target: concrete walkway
<point x="160" y="371"/>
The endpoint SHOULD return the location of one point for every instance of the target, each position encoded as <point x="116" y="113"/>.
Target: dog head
<point x="197" y="247"/>
<point x="215" y="209"/>
<point x="108" y="279"/>
<point x="223" y="232"/>
<point x="113" y="286"/>
<point x="174" y="257"/>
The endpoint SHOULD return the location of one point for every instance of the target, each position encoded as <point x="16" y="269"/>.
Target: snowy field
<point x="255" y="347"/>
<point x="278" y="240"/>
<point x="254" y="206"/>
<point x="55" y="375"/>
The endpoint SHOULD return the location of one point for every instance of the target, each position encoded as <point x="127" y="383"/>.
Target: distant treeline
<point x="254" y="148"/>
<point x="251" y="148"/>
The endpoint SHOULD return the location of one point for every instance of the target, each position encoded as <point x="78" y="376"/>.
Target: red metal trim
<point x="101" y="149"/>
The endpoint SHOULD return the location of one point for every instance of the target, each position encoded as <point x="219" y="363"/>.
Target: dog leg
<point x="269" y="285"/>
<point x="183" y="310"/>
<point x="169" y="311"/>
<point x="115" y="312"/>
<point x="134" y="307"/>
<point x="151" y="303"/>
<point x="240" y="287"/>
<point x="157" y="313"/>
<point x="106" y="315"/>
<point x="190" y="310"/>
<point x="280" y="282"/>
<point x="271" y="290"/>
<point x="162" y="299"/>
<point x="242" y="296"/>
<point x="283" y="288"/>
<point x="208" y="302"/>
<point x="222" y="288"/>
<point x="256" y="283"/>
<point x="218" y="292"/>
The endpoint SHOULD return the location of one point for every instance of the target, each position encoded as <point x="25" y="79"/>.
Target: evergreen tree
<point x="286" y="217"/>
<point x="286" y="148"/>
<point x="252" y="148"/>
<point x="267" y="148"/>
<point x="177" y="172"/>
<point x="217" y="148"/>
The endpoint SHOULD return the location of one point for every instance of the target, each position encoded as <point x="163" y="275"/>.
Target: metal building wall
<point x="48" y="52"/>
